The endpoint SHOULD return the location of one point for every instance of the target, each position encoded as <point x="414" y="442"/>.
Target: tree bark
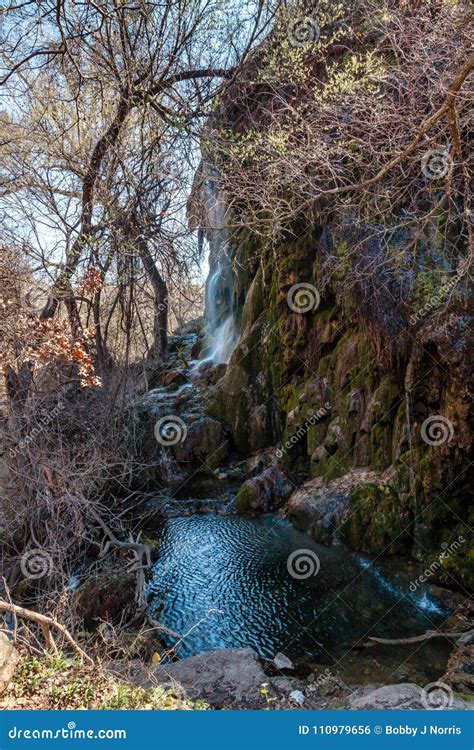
<point x="160" y="290"/>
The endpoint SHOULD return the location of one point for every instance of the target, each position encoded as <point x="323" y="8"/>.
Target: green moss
<point x="377" y="523"/>
<point x="329" y="468"/>
<point x="246" y="496"/>
<point x="461" y="568"/>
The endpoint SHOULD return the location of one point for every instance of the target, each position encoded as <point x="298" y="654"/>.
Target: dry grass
<point x="56" y="682"/>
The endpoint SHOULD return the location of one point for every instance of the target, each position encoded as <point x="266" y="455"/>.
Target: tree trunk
<point x="62" y="286"/>
<point x="160" y="313"/>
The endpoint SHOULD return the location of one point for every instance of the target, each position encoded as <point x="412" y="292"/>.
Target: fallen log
<point x="45" y="623"/>
<point x="414" y="639"/>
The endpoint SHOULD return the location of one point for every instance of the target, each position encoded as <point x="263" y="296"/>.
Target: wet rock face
<point x="205" y="444"/>
<point x="360" y="509"/>
<point x="287" y="366"/>
<point x="376" y="522"/>
<point x="266" y="492"/>
<point x="243" y="399"/>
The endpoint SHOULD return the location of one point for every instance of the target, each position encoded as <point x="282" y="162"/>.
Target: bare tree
<point x="93" y="69"/>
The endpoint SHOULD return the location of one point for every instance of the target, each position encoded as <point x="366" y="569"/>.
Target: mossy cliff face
<point x="333" y="397"/>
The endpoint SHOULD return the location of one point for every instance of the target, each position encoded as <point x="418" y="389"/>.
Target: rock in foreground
<point x="8" y="661"/>
<point x="405" y="696"/>
<point x="222" y="678"/>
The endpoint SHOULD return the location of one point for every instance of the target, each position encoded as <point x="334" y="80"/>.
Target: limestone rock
<point x="174" y="377"/>
<point x="296" y="696"/>
<point x="321" y="507"/>
<point x="265" y="492"/>
<point x="360" y="508"/>
<point x="406" y="696"/>
<point x="9" y="659"/>
<point x="222" y="678"/>
<point x="282" y="662"/>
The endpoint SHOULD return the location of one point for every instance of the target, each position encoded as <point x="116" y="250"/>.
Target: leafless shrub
<point x="367" y="130"/>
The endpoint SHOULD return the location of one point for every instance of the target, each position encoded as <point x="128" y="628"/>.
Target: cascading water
<point x="222" y="332"/>
<point x="223" y="339"/>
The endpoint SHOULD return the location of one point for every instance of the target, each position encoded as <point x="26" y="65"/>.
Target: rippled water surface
<point x="223" y="582"/>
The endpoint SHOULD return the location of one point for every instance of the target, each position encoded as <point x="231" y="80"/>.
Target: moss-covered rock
<point x="377" y="523"/>
<point x="460" y="568"/>
<point x="105" y="597"/>
<point x="265" y="492"/>
<point x="351" y="352"/>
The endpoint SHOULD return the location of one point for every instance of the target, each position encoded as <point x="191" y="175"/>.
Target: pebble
<point x="296" y="696"/>
<point x="282" y="662"/>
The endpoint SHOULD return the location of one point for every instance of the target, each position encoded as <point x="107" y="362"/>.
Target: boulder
<point x="321" y="507"/>
<point x="105" y="596"/>
<point x="281" y="661"/>
<point x="175" y="377"/>
<point x="460" y="670"/>
<point x="406" y="696"/>
<point x="296" y="697"/>
<point x="259" y="461"/>
<point x="9" y="659"/>
<point x="205" y="443"/>
<point x="360" y="509"/>
<point x="265" y="492"/>
<point x="222" y="678"/>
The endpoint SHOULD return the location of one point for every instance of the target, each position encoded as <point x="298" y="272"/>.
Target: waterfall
<point x="222" y="342"/>
<point x="221" y="330"/>
<point x="222" y="333"/>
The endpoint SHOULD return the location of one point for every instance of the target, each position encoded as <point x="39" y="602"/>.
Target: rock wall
<point x="336" y="392"/>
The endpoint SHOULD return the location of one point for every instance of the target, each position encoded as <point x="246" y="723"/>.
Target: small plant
<point x="265" y="692"/>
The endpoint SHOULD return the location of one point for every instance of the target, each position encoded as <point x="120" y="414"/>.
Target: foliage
<point x="56" y="682"/>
